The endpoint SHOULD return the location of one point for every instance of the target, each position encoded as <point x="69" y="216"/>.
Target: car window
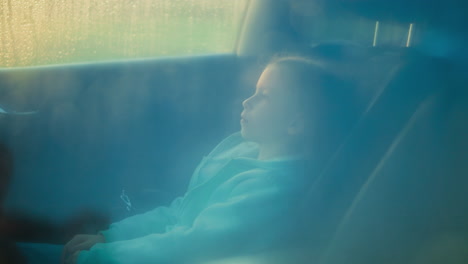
<point x="57" y="32"/>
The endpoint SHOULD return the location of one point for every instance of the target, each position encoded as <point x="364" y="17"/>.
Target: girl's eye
<point x="258" y="94"/>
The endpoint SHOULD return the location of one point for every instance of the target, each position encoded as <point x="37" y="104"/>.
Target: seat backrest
<point x="412" y="207"/>
<point x="335" y="187"/>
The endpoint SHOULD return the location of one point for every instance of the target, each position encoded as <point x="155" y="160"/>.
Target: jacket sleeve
<point x="156" y="221"/>
<point x="254" y="216"/>
<point x="151" y="222"/>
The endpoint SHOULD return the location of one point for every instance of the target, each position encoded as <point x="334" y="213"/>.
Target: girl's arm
<point x="256" y="215"/>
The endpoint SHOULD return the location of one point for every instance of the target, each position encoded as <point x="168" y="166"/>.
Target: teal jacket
<point x="235" y="204"/>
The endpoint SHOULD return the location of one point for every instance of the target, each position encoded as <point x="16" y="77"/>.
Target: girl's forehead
<point x="274" y="80"/>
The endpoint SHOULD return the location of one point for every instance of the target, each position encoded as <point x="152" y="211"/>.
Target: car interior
<point x="394" y="191"/>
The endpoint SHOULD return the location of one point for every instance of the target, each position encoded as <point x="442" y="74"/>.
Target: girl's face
<point x="271" y="115"/>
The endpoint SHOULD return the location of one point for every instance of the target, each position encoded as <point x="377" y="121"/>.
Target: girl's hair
<point x="327" y="99"/>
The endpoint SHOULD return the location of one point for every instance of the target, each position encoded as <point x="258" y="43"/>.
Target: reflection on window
<point x="38" y="32"/>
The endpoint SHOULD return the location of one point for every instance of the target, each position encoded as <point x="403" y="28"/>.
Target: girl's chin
<point x="244" y="133"/>
<point x="247" y="135"/>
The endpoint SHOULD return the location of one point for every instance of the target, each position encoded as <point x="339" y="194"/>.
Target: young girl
<point x="244" y="196"/>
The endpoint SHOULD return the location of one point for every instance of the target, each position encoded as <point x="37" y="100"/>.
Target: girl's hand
<point x="78" y="243"/>
<point x="72" y="259"/>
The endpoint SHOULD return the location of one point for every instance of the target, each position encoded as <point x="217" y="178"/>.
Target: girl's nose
<point x="246" y="103"/>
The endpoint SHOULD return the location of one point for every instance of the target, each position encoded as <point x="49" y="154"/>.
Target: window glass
<point x="39" y="32"/>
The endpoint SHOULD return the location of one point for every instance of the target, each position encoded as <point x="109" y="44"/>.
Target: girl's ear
<point x="296" y="126"/>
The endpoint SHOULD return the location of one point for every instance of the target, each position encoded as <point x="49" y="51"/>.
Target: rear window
<point x="56" y="32"/>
